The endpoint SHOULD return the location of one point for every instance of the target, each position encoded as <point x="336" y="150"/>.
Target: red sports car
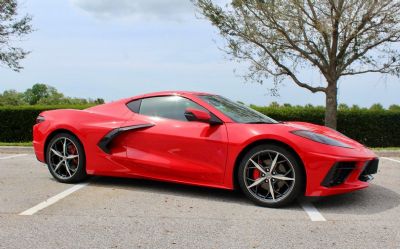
<point x="202" y="139"/>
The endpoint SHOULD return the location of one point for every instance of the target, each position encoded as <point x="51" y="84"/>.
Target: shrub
<point x="16" y="122"/>
<point x="375" y="127"/>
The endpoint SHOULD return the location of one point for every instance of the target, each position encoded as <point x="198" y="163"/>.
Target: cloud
<point x="137" y="9"/>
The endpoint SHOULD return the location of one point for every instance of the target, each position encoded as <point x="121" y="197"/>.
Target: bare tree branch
<point x="12" y="28"/>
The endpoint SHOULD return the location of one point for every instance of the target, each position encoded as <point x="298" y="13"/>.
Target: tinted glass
<point x="134" y="105"/>
<point x="172" y="107"/>
<point x="237" y="112"/>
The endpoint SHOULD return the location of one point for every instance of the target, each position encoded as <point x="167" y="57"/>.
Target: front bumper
<point x="332" y="174"/>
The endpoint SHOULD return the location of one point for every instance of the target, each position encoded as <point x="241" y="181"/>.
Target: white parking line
<point x="53" y="199"/>
<point x="13" y="156"/>
<point x="312" y="211"/>
<point x="394" y="160"/>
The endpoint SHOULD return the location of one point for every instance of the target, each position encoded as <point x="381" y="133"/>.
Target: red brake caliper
<point x="256" y="172"/>
<point x="72" y="151"/>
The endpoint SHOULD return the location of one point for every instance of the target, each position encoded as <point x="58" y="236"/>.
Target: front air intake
<point x="371" y="167"/>
<point x="338" y="173"/>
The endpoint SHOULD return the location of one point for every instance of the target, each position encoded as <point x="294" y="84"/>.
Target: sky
<point x="120" y="48"/>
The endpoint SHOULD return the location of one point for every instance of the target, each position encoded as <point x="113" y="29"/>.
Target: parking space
<point x="131" y="213"/>
<point x="24" y="182"/>
<point x="380" y="201"/>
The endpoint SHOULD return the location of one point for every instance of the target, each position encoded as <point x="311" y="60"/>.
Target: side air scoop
<point x="107" y="139"/>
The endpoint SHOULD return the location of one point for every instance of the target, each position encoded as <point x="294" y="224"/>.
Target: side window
<point x="134" y="105"/>
<point x="171" y="107"/>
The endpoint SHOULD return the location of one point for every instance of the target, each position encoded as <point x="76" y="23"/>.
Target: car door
<point x="174" y="148"/>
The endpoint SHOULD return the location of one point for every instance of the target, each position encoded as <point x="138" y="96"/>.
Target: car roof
<point x="178" y="92"/>
<point x="166" y="93"/>
<point x="163" y="93"/>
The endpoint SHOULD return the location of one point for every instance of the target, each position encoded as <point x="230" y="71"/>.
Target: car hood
<point x="322" y="130"/>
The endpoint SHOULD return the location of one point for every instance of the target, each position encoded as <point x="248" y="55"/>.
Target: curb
<point x="16" y="149"/>
<point x="387" y="153"/>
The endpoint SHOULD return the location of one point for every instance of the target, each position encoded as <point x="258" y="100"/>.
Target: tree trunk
<point x="331" y="105"/>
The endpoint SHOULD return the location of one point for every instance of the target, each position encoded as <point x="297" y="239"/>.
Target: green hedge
<point x="16" y="122"/>
<point x="375" y="128"/>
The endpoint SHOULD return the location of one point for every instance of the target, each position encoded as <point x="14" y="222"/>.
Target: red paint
<point x="199" y="114"/>
<point x="193" y="152"/>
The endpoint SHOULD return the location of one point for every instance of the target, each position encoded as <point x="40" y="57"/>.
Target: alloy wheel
<point x="64" y="158"/>
<point x="269" y="176"/>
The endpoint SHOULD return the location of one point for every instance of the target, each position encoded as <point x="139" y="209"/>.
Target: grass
<point x="16" y="144"/>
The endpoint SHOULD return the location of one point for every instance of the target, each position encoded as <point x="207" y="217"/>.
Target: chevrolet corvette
<point x="205" y="140"/>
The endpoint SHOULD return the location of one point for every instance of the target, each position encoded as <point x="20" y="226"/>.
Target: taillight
<point x="40" y="119"/>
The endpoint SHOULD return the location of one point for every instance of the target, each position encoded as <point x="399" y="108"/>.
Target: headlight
<point x="320" y="138"/>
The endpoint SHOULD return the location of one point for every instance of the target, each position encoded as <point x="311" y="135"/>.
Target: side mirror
<point x="193" y="114"/>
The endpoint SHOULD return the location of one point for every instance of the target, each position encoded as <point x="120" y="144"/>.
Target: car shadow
<point x="175" y="189"/>
<point x="372" y="200"/>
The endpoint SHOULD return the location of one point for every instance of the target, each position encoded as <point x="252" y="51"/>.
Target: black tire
<point x="246" y="168"/>
<point x="76" y="167"/>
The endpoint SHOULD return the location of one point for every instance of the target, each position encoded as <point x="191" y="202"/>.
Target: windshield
<point x="237" y="112"/>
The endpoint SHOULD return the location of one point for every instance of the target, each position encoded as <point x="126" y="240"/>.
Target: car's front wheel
<point x="65" y="158"/>
<point x="270" y="176"/>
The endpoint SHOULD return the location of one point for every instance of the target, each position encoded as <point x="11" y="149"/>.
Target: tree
<point x="287" y="105"/>
<point x="11" y="97"/>
<point x="274" y="104"/>
<point x="343" y="107"/>
<point x="99" y="101"/>
<point x="376" y="107"/>
<point x="394" y="108"/>
<point x="355" y="108"/>
<point x="12" y="27"/>
<point x="335" y="37"/>
<point x="44" y="94"/>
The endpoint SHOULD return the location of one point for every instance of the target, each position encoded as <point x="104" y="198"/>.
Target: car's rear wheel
<point x="270" y="176"/>
<point x="66" y="158"/>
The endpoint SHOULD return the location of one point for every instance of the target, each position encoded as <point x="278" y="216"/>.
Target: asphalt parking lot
<point x="130" y="213"/>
